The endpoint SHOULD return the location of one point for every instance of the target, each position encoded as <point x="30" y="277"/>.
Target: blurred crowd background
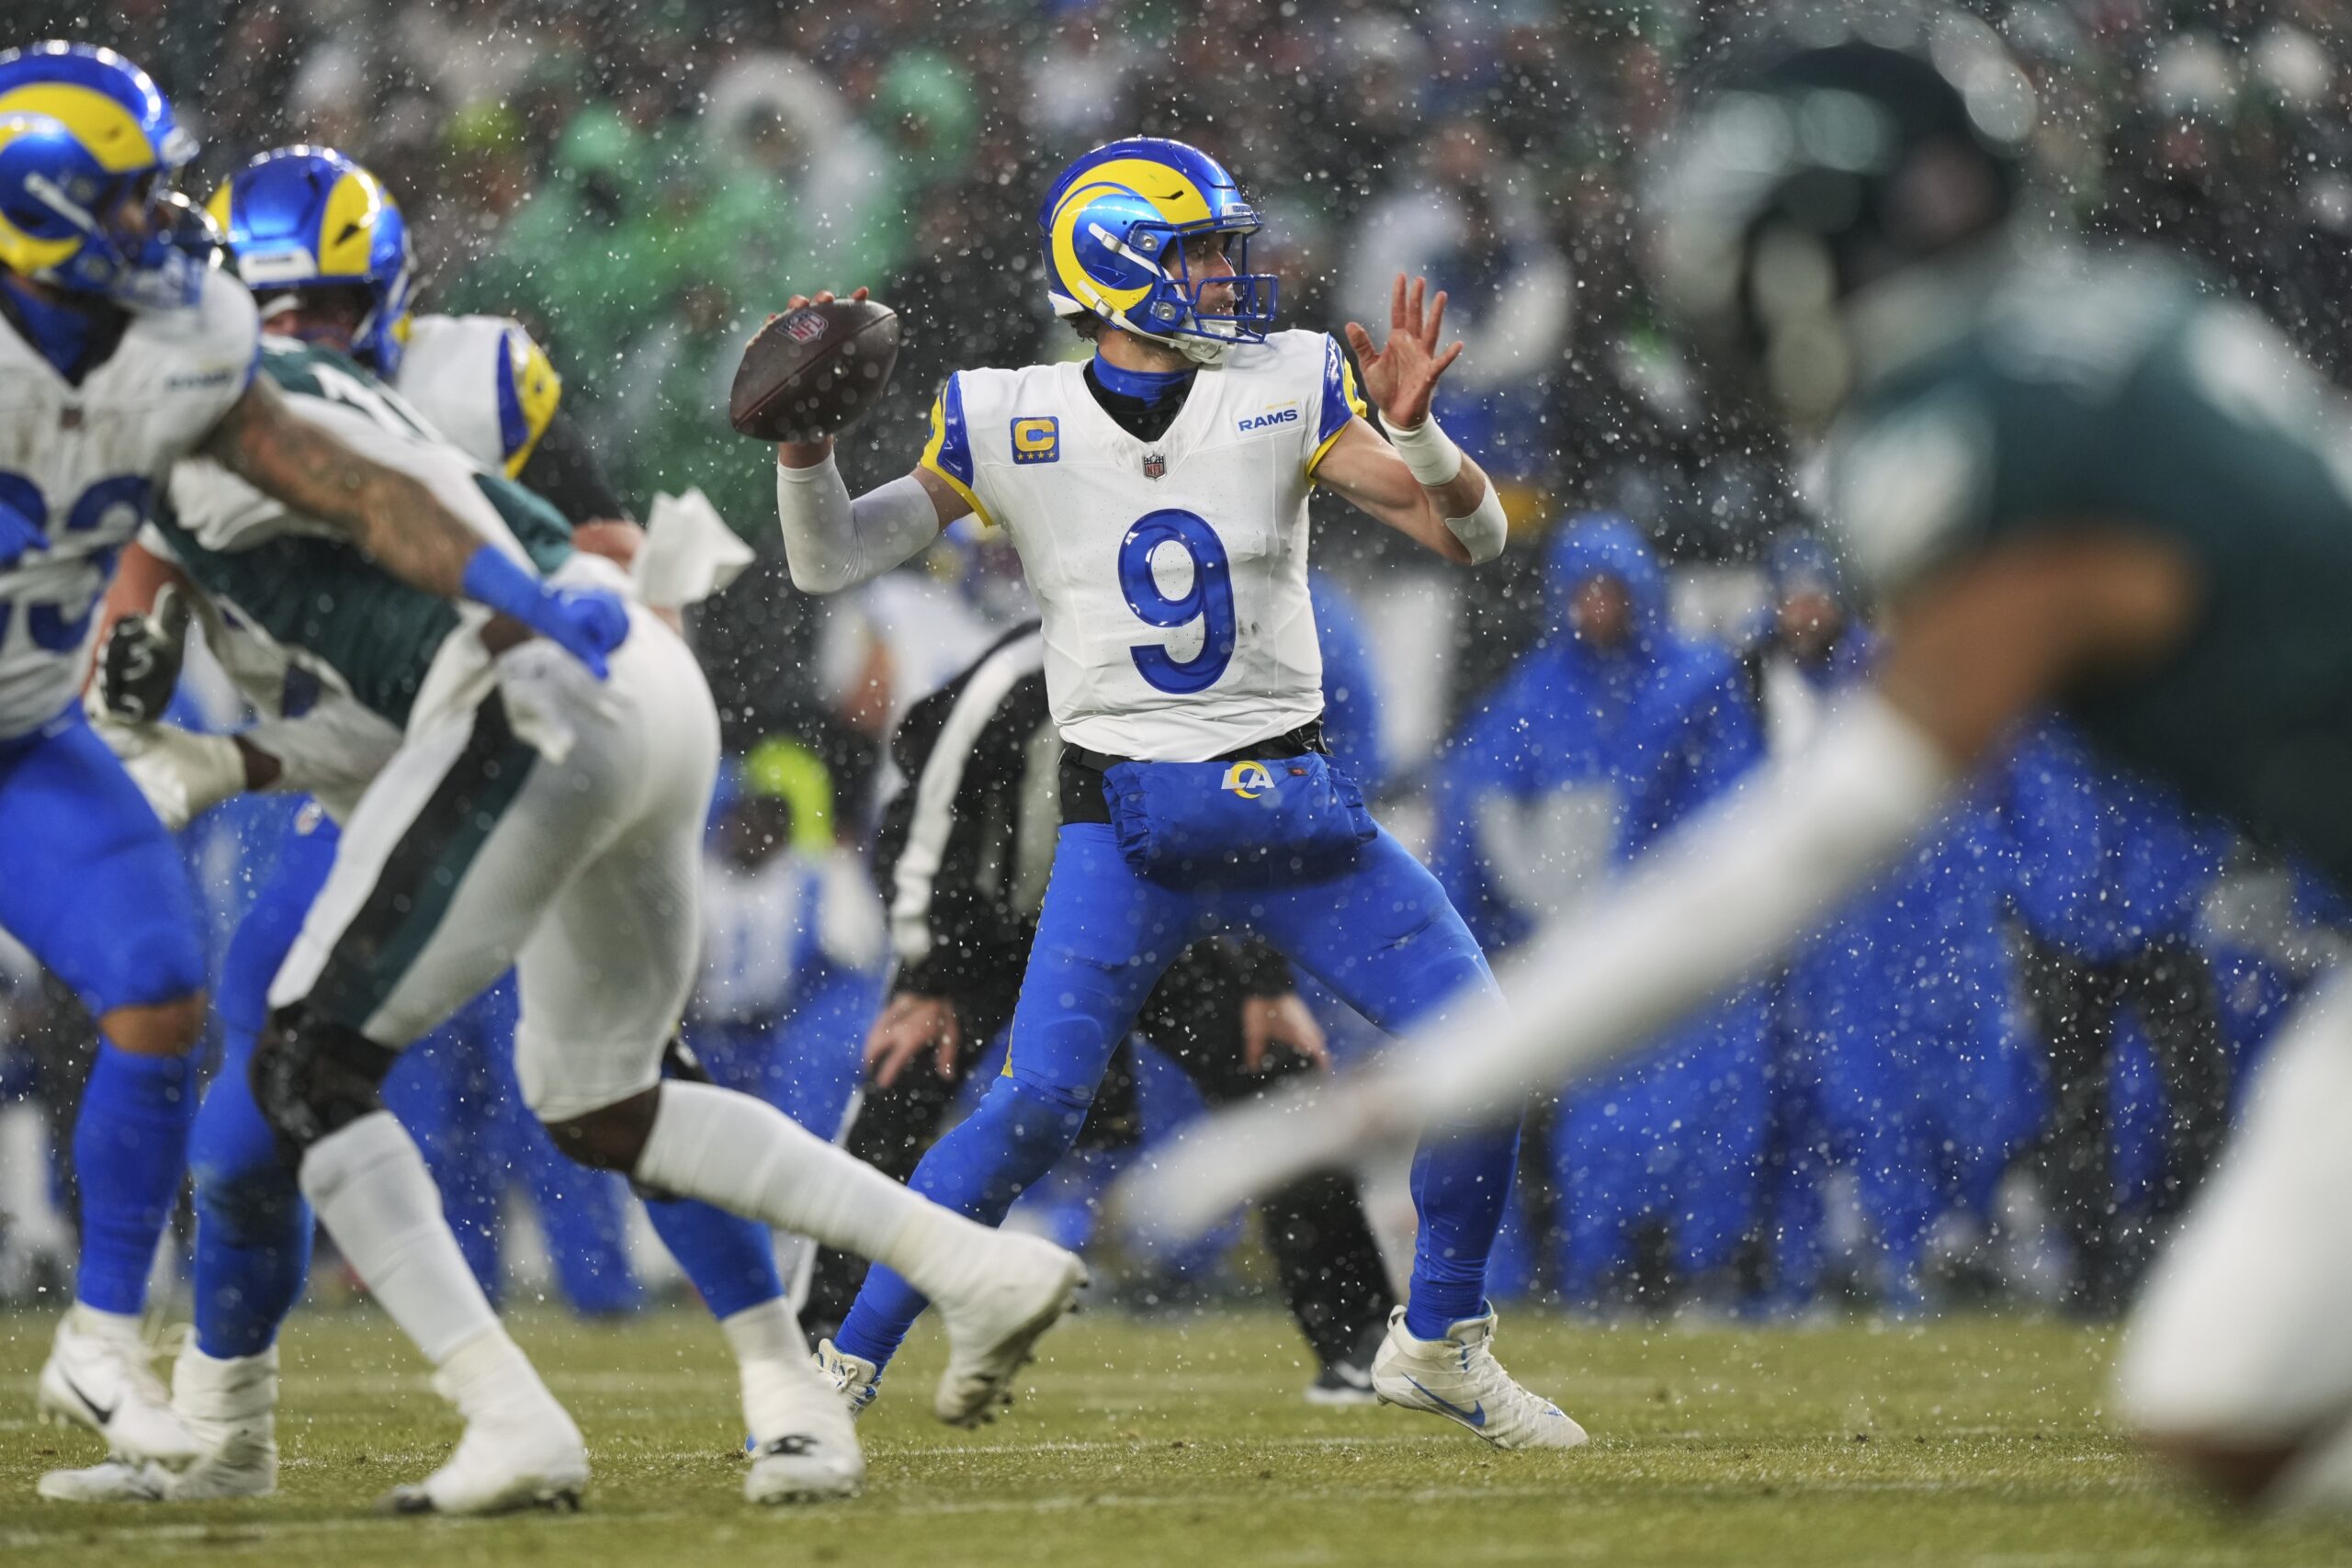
<point x="1994" y="1077"/>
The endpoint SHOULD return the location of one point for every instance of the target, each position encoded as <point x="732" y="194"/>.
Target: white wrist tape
<point x="1429" y="451"/>
<point x="1483" y="532"/>
<point x="180" y="772"/>
<point x="831" y="543"/>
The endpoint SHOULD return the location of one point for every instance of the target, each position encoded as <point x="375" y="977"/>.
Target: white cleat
<point x="230" y="1406"/>
<point x="1457" y="1377"/>
<point x="804" y="1437"/>
<point x="101" y="1375"/>
<point x="853" y="1378"/>
<point x="993" y="1330"/>
<point x="116" y="1481"/>
<point x="524" y="1453"/>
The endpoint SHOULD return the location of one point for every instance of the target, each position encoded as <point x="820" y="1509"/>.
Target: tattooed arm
<point x="397" y="522"/>
<point x="391" y="517"/>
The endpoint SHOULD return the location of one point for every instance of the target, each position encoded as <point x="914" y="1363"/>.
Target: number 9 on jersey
<point x="1208" y="600"/>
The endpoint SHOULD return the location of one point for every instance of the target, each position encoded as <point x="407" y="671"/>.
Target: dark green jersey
<point x="2118" y="394"/>
<point x="324" y="604"/>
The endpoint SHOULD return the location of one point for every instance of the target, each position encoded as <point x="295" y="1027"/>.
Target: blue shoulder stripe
<point x="954" y="454"/>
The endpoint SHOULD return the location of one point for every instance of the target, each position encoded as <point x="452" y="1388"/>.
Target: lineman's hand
<point x="908" y="1025"/>
<point x="1266" y="1020"/>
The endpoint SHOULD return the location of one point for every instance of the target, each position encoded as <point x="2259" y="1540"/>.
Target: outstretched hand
<point x="1402" y="376"/>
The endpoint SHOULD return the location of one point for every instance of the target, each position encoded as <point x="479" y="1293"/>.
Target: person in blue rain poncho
<point x="1612" y="728"/>
<point x="2111" y="875"/>
<point x="1898" y="1058"/>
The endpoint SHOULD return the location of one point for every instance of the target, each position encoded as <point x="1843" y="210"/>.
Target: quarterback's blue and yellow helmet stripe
<point x="528" y="392"/>
<point x="309" y="216"/>
<point x="948" y="453"/>
<point x="88" y="147"/>
<point x="1340" y="404"/>
<point x="1114" y="225"/>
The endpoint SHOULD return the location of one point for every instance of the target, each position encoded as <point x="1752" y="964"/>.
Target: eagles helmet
<point x="87" y="148"/>
<point x="303" y="217"/>
<point x="1114" y="228"/>
<point x="1859" y="149"/>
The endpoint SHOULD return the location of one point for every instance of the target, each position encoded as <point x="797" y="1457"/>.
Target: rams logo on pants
<point x="1249" y="779"/>
<point x="1036" y="440"/>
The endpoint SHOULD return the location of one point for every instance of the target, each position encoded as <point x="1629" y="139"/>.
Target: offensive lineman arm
<point x="832" y="542"/>
<point x="1423" y="486"/>
<point x="1971" y="652"/>
<point x="397" y="522"/>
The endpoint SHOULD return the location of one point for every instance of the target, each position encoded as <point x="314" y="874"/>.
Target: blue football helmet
<point x="88" y="147"/>
<point x="1114" y="228"/>
<point x="308" y="218"/>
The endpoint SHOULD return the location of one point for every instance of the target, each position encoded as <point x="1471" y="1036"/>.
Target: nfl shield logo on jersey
<point x="1154" y="465"/>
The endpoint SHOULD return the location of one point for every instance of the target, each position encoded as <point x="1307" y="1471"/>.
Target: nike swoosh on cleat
<point x="105" y="1413"/>
<point x="1474" y="1417"/>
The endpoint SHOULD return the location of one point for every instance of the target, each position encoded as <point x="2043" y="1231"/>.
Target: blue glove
<point x="17" y="536"/>
<point x="586" y="623"/>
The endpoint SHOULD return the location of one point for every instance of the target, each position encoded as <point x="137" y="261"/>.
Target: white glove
<point x="180" y="772"/>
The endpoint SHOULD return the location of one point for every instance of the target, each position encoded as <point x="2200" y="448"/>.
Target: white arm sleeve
<point x="1733" y="888"/>
<point x="831" y="543"/>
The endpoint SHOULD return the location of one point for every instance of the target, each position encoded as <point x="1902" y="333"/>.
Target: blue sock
<point x="730" y="1259"/>
<point x="252" y="1229"/>
<point x="1015" y="1136"/>
<point x="1461" y="1186"/>
<point x="130" y="1152"/>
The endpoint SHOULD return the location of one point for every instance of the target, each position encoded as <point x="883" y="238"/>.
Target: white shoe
<point x="230" y="1408"/>
<point x="116" y="1481"/>
<point x="1457" y="1377"/>
<point x="803" y="1439"/>
<point x="855" y="1379"/>
<point x="100" y="1374"/>
<point x="1341" y="1384"/>
<point x="993" y="1330"/>
<point x="524" y="1452"/>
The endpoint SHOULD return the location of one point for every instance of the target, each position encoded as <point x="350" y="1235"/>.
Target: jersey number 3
<point x="60" y="627"/>
<point x="1208" y="600"/>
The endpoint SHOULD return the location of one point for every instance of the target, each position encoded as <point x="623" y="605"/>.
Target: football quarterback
<point x="1158" y="496"/>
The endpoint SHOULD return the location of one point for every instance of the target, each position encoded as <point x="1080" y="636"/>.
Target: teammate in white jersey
<point x="1157" y="495"/>
<point x="325" y="246"/>
<point x="121" y="355"/>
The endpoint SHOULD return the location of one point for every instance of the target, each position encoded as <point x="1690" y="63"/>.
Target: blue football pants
<point x="1381" y="935"/>
<point x="95" y="889"/>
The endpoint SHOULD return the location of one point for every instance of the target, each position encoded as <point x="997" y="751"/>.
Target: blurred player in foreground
<point x="325" y="249"/>
<point x="1158" y="497"/>
<point x="2088" y="482"/>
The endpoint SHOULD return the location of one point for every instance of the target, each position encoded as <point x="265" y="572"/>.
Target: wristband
<point x="1429" y="451"/>
<point x="495" y="579"/>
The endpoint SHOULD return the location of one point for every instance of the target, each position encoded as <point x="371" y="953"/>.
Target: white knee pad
<point x="2241" y="1337"/>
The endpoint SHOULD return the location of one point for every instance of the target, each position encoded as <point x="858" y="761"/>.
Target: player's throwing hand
<point x="1401" y="376"/>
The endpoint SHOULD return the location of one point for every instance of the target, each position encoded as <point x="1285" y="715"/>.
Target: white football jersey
<point x="84" y="464"/>
<point x="1170" y="574"/>
<point x="483" y="384"/>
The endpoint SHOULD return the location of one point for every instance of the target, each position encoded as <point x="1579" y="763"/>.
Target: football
<point x="811" y="372"/>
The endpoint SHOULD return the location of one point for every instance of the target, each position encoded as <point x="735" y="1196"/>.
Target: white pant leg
<point x="2242" y="1337"/>
<point x="606" y="977"/>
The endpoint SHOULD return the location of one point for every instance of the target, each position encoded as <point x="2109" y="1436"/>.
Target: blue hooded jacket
<point x="1630" y="739"/>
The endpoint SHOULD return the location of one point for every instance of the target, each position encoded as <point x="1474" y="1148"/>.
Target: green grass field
<point x="1183" y="1442"/>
